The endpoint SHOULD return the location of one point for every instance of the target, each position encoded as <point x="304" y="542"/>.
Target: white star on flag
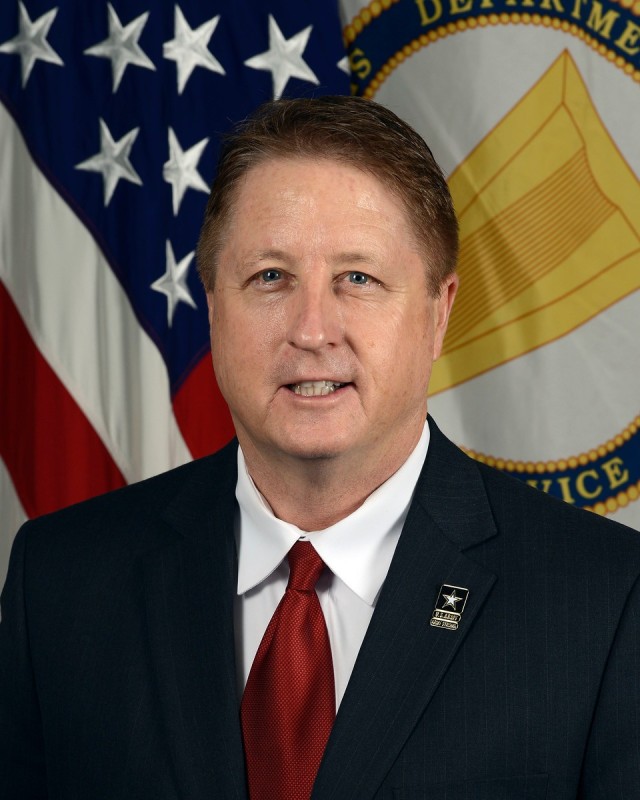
<point x="284" y="58"/>
<point x="189" y="48"/>
<point x="181" y="169"/>
<point x="343" y="64"/>
<point x="121" y="46"/>
<point x="113" y="160"/>
<point x="31" y="42"/>
<point x="173" y="284"/>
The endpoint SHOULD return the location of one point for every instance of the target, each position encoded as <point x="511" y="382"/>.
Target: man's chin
<point x="313" y="451"/>
<point x="315" y="445"/>
<point x="292" y="441"/>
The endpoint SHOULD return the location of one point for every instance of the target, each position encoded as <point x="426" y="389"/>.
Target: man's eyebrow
<point x="346" y="257"/>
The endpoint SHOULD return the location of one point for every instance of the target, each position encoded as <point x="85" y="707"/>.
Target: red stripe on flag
<point x="202" y="414"/>
<point x="52" y="452"/>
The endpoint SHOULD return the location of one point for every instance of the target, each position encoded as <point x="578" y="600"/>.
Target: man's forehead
<point x="316" y="195"/>
<point x="281" y="177"/>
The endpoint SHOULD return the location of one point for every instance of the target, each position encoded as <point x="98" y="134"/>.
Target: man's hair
<point x="351" y="130"/>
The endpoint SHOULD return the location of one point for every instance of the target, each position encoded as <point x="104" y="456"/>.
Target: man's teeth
<point x="315" y="388"/>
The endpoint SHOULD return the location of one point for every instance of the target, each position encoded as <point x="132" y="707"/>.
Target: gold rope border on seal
<point x="375" y="9"/>
<point x="620" y="500"/>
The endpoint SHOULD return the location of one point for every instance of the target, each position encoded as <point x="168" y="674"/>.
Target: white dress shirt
<point x="357" y="550"/>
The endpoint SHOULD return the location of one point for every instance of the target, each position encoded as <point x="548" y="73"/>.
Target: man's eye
<point x="270" y="275"/>
<point x="359" y="278"/>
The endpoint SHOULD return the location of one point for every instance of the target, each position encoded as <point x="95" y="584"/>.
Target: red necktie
<point x="288" y="706"/>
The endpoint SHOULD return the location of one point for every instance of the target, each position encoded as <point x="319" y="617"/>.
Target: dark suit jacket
<point x="117" y="674"/>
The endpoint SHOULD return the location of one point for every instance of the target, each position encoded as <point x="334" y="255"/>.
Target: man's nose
<point x="314" y="319"/>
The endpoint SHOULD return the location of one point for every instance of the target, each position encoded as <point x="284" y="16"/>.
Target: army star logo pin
<point x="449" y="607"/>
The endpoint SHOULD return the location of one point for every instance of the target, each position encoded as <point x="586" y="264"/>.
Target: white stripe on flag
<point x="11" y="518"/>
<point x="80" y="318"/>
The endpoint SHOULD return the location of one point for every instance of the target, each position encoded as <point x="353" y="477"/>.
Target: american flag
<point x="110" y="121"/>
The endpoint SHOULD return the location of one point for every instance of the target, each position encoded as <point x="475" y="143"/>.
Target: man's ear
<point x="442" y="310"/>
<point x="210" y="302"/>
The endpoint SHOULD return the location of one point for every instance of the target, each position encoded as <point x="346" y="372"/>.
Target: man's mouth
<point x="315" y="388"/>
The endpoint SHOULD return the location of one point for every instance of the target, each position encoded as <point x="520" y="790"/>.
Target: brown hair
<point x="352" y="130"/>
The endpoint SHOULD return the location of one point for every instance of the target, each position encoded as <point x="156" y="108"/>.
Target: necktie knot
<point x="305" y="566"/>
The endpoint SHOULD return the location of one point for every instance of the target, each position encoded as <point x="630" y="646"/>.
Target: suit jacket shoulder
<point x="130" y="519"/>
<point x="520" y="512"/>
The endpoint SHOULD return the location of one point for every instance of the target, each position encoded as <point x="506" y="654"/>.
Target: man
<point x="482" y="638"/>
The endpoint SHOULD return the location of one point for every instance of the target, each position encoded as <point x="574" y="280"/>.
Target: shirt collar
<point x="358" y="549"/>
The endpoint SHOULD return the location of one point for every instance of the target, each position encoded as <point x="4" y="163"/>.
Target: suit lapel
<point x="190" y="585"/>
<point x="403" y="658"/>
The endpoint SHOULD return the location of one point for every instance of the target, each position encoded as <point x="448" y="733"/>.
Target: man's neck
<point x="313" y="494"/>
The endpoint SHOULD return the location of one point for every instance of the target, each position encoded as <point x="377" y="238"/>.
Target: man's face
<point x="322" y="327"/>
